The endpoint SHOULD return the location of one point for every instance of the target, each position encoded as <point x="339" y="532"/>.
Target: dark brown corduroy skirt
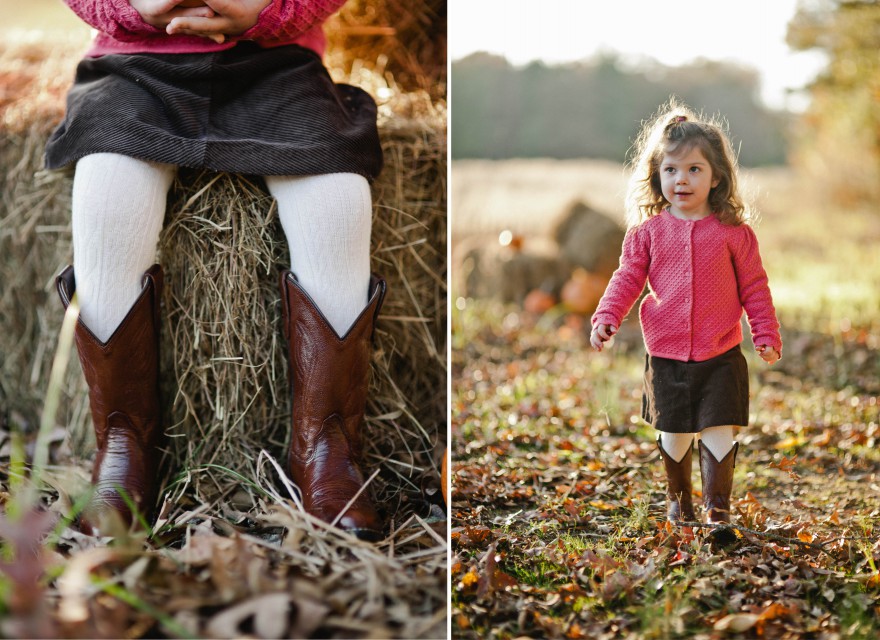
<point x="244" y="110"/>
<point x="687" y="397"/>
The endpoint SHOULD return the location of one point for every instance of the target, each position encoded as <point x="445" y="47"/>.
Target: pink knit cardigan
<point x="701" y="275"/>
<point x="122" y="30"/>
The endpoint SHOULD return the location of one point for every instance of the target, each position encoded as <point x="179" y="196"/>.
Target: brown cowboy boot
<point x="679" y="490"/>
<point x="123" y="379"/>
<point x="717" y="483"/>
<point x="329" y="376"/>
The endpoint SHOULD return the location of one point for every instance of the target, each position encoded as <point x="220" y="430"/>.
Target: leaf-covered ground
<point x="558" y="507"/>
<point x="251" y="564"/>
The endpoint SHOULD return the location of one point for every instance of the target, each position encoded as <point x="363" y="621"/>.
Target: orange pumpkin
<point x="582" y="292"/>
<point x="538" y="301"/>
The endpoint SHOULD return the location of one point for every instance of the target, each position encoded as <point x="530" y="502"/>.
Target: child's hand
<point x="231" y="18"/>
<point x="768" y="354"/>
<point x="159" y="13"/>
<point x="602" y="333"/>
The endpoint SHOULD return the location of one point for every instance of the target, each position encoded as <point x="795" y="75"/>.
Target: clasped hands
<point x="212" y="19"/>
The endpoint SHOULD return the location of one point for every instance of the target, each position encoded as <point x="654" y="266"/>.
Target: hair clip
<point x="680" y="118"/>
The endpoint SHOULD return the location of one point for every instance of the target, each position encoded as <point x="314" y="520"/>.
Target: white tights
<point x="119" y="208"/>
<point x="327" y="221"/>
<point x="719" y="440"/>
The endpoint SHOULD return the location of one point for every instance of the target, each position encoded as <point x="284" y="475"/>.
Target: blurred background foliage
<point x="837" y="140"/>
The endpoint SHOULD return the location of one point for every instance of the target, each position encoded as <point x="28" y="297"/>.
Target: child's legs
<point x="676" y="444"/>
<point x="719" y="440"/>
<point x="327" y="221"/>
<point x="118" y="210"/>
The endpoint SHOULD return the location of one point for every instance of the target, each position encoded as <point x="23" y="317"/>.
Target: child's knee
<point x="119" y="194"/>
<point x="354" y="190"/>
<point x="343" y="197"/>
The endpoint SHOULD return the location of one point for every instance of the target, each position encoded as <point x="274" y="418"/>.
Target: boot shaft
<point x="122" y="373"/>
<point x="329" y="374"/>
<point x="679" y="491"/>
<point x="717" y="476"/>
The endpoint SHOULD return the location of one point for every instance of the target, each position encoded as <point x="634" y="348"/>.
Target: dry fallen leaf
<point x="737" y="622"/>
<point x="310" y="612"/>
<point x="494" y="579"/>
<point x="470" y="579"/>
<point x="787" y="464"/>
<point x="201" y="548"/>
<point x="269" y="613"/>
<point x="804" y="535"/>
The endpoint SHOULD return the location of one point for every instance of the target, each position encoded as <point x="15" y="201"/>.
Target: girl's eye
<point x="669" y="169"/>
<point x="695" y="169"/>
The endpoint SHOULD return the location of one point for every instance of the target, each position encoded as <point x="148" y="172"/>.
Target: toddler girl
<point x="689" y="239"/>
<point x="226" y="85"/>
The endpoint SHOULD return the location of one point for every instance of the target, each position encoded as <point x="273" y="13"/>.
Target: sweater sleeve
<point x="754" y="291"/>
<point x="628" y="281"/>
<point x="116" y="18"/>
<point x="284" y="19"/>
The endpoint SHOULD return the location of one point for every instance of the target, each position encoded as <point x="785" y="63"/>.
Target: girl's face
<point x="685" y="180"/>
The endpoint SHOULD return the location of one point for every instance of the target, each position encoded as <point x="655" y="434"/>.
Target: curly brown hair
<point x="676" y="129"/>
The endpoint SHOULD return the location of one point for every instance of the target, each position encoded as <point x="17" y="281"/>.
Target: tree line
<point x="593" y="109"/>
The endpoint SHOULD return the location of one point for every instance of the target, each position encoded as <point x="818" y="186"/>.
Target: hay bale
<point x="34" y="227"/>
<point x="224" y="368"/>
<point x="402" y="40"/>
<point x="589" y="239"/>
<point x="487" y="269"/>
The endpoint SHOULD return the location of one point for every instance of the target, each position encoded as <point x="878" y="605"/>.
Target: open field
<point x="818" y="258"/>
<point x="558" y="506"/>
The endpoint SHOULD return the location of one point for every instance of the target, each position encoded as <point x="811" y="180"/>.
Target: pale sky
<point x="750" y="32"/>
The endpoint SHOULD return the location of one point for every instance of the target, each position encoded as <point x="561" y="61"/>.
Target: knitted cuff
<point x="605" y="318"/>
